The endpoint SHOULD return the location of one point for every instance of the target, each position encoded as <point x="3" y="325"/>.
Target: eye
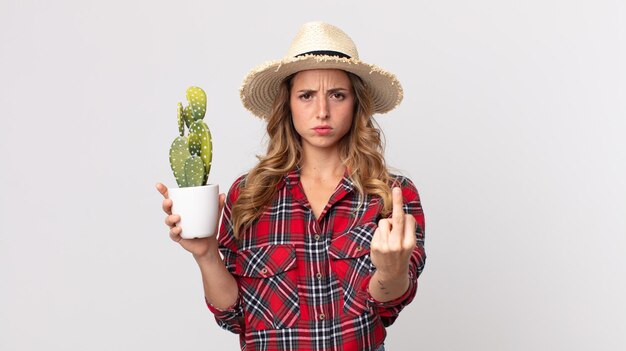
<point x="338" y="96"/>
<point x="305" y="96"/>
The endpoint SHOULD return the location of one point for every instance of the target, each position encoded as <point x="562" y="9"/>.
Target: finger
<point x="167" y="206"/>
<point x="163" y="190"/>
<point x="385" y="226"/>
<point x="409" y="241"/>
<point x="374" y="243"/>
<point x="171" y="220"/>
<point x="398" y="210"/>
<point x="379" y="240"/>
<point x="383" y="230"/>
<point x="175" y="234"/>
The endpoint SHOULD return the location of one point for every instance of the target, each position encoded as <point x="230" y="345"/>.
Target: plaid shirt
<point x="303" y="282"/>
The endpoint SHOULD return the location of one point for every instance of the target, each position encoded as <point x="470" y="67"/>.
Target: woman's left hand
<point x="394" y="240"/>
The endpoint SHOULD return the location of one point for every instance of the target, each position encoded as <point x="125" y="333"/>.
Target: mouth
<point x="321" y="130"/>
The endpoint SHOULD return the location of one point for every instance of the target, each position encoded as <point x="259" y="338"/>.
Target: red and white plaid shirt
<point x="303" y="282"/>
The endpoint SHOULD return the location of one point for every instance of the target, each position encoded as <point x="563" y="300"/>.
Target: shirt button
<point x="319" y="276"/>
<point x="322" y="316"/>
<point x="264" y="270"/>
<point x="359" y="248"/>
<point x="317" y="237"/>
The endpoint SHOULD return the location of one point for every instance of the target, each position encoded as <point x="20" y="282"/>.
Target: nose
<point x="322" y="109"/>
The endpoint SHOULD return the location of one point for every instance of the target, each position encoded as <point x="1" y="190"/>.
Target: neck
<point x="321" y="163"/>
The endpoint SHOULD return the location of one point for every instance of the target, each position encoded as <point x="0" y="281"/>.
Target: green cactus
<point x="194" y="171"/>
<point x="197" y="102"/>
<point x="181" y="122"/>
<point x="200" y="143"/>
<point x="190" y="157"/>
<point x="187" y="116"/>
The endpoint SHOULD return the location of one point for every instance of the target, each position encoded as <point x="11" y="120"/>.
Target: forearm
<point x="385" y="288"/>
<point x="220" y="287"/>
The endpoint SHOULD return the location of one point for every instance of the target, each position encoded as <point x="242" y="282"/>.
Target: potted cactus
<point x="194" y="200"/>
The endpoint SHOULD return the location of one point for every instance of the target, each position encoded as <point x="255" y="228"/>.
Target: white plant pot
<point x="198" y="208"/>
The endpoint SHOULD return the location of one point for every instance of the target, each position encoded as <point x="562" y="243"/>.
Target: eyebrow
<point x="333" y="90"/>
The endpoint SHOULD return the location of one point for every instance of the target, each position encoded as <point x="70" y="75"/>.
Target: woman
<point x="321" y="246"/>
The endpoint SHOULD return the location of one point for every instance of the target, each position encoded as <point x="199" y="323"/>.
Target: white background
<point x="512" y="128"/>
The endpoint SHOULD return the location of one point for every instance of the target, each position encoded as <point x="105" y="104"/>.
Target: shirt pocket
<point x="351" y="264"/>
<point x="268" y="282"/>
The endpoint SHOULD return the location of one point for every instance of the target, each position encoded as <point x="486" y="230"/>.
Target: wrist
<point x="384" y="287"/>
<point x="399" y="281"/>
<point x="399" y="296"/>
<point x="211" y="256"/>
<point x="393" y="276"/>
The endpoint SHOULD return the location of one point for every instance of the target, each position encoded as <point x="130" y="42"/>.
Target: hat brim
<point x="260" y="86"/>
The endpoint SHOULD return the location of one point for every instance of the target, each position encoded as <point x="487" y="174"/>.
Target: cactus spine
<point x="190" y="156"/>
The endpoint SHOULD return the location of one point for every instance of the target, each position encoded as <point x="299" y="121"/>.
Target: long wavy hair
<point x="361" y="151"/>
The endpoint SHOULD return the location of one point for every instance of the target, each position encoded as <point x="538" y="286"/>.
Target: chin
<point x="323" y="145"/>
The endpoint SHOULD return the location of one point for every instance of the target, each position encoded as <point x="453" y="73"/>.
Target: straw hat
<point x="318" y="45"/>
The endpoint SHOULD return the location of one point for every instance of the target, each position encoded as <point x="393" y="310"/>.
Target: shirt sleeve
<point x="230" y="318"/>
<point x="389" y="310"/>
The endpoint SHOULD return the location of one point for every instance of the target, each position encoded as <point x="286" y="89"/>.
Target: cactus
<point x="190" y="156"/>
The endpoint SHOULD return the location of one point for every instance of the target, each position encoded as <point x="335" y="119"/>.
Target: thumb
<point x="222" y="199"/>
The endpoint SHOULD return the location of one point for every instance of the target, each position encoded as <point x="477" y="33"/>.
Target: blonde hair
<point x="361" y="150"/>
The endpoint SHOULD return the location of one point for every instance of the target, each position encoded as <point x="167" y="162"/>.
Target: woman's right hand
<point x="198" y="247"/>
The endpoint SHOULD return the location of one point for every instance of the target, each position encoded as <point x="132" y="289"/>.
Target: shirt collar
<point x="292" y="182"/>
<point x="293" y="178"/>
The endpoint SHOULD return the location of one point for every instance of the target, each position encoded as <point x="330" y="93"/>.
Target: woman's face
<point x="322" y="107"/>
